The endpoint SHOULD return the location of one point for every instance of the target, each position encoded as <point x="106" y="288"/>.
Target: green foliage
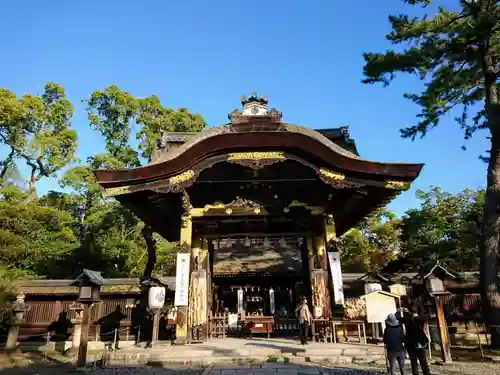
<point x="37" y="130"/>
<point x="156" y="119"/>
<point x="111" y="112"/>
<point x="58" y="234"/>
<point x="34" y="237"/>
<point x="372" y="245"/>
<point x="456" y="54"/>
<point x="447" y="228"/>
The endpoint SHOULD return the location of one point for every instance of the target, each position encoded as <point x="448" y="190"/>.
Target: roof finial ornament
<point x="254" y="106"/>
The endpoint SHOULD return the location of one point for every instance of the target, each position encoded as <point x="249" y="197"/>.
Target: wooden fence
<point x="55" y="315"/>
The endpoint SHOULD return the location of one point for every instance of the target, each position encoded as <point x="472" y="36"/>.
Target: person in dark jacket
<point x="415" y="340"/>
<point x="394" y="344"/>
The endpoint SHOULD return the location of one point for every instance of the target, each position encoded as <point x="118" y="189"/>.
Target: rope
<point x="123" y="329"/>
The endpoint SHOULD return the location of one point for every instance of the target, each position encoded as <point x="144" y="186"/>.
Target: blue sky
<point x="204" y="55"/>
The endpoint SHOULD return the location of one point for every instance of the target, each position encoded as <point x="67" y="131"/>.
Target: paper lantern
<point x="156" y="297"/>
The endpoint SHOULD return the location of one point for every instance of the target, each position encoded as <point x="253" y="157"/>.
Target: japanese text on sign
<point x="182" y="280"/>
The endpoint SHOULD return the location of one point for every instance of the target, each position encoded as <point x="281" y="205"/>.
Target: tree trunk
<point x="147" y="233"/>
<point x="490" y="244"/>
<point x="32" y="185"/>
<point x="491" y="226"/>
<point x="6" y="164"/>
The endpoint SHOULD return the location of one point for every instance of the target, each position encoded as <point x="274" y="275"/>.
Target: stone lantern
<point x="18" y="310"/>
<point x="89" y="291"/>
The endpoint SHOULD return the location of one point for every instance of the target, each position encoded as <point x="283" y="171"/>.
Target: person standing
<point x="416" y="340"/>
<point x="394" y="344"/>
<point x="305" y="318"/>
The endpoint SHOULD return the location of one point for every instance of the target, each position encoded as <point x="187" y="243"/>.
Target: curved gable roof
<point x="252" y="135"/>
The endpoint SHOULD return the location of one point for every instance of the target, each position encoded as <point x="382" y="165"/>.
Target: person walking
<point x="416" y="340"/>
<point x="305" y="318"/>
<point x="394" y="344"/>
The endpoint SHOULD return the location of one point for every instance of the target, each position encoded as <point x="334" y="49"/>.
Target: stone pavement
<point x="235" y="350"/>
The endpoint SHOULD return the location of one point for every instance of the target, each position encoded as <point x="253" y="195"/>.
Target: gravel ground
<point x="63" y="370"/>
<point x="32" y="368"/>
<point x="457" y="368"/>
<point x="454" y="369"/>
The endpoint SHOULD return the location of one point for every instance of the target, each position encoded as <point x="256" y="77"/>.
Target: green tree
<point x="34" y="238"/>
<point x="446" y="228"/>
<point x="37" y="129"/>
<point x="113" y="112"/>
<point x="457" y="55"/>
<point x="372" y="245"/>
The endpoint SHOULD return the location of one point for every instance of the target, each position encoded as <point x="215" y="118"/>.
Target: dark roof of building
<point x="93" y="276"/>
<point x="67" y="286"/>
<point x="433" y="268"/>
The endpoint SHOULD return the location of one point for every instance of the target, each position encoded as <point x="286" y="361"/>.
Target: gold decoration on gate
<point x="256" y="155"/>
<point x="183" y="177"/>
<point x="337" y="180"/>
<point x="256" y="160"/>
<point x="397" y="185"/>
<point x="117" y="190"/>
<point x="331" y="175"/>
<point x="237" y="204"/>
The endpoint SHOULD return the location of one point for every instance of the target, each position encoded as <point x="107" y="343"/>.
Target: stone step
<point x="165" y="358"/>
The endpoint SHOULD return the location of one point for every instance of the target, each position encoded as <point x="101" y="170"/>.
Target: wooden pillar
<point x="320" y="247"/>
<point x="156" y="328"/>
<point x="443" y="330"/>
<point x="318" y="274"/>
<point x="198" y="292"/>
<point x="310" y="255"/>
<point x="330" y="237"/>
<point x="330" y="231"/>
<point x="182" y="329"/>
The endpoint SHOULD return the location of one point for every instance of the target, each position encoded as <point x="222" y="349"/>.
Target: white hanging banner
<point x="271" y="301"/>
<point x="182" y="280"/>
<point x="336" y="272"/>
<point x="240" y="300"/>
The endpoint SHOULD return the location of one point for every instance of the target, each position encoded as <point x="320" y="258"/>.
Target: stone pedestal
<point x="77" y="318"/>
<point x="18" y="311"/>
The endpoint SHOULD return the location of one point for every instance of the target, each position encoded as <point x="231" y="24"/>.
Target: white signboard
<point x="378" y="306"/>
<point x="182" y="280"/>
<point x="336" y="272"/>
<point x="232" y="321"/>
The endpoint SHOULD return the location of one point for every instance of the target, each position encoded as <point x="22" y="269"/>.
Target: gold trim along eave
<point x="330" y="174"/>
<point x="397" y="185"/>
<point x="280" y="155"/>
<point x="121" y="190"/>
<point x="183" y="177"/>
